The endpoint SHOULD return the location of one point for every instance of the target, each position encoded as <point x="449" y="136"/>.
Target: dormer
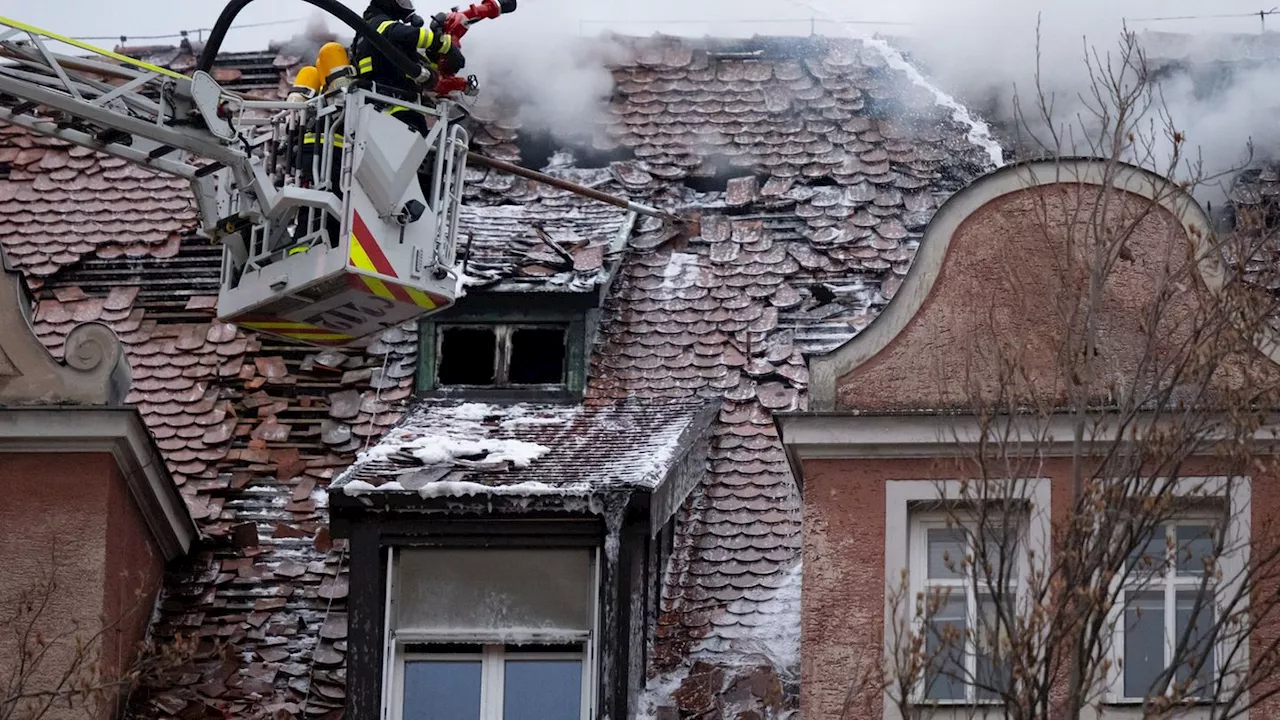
<point x="535" y="285"/>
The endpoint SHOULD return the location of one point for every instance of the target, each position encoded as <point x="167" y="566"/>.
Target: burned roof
<point x="810" y="168"/>
<point x="814" y="167"/>
<point x="558" y="243"/>
<point x="456" y="449"/>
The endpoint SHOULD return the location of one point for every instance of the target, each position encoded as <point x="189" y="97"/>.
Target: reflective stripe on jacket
<point x="416" y="42"/>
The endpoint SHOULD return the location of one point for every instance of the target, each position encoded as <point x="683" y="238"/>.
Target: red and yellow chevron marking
<point x="365" y="252"/>
<point x="304" y="332"/>
<point x="396" y="292"/>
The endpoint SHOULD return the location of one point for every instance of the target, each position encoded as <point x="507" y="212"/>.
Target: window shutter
<point x="507" y="591"/>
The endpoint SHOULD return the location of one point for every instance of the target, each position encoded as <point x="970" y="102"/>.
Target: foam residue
<point x="979" y="131"/>
<point x="660" y="691"/>
<point x="524" y="489"/>
<point x="452" y="488"/>
<point x="773" y="631"/>
<point x="681" y="271"/>
<point x="461" y="437"/>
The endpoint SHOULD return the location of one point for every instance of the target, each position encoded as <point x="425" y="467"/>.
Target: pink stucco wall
<point x="70" y="517"/>
<point x="1007" y="296"/>
<point x="844" y="590"/>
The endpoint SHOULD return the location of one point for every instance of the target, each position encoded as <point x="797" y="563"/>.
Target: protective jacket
<point x="427" y="42"/>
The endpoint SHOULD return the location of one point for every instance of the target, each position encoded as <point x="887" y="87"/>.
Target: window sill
<point x="957" y="710"/>
<point x="1133" y="710"/>
<point x="1138" y="702"/>
<point x="503" y="395"/>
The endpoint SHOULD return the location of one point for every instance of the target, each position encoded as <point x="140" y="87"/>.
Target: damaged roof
<point x="812" y="165"/>
<point x="557" y="243"/>
<point x="449" y="449"/>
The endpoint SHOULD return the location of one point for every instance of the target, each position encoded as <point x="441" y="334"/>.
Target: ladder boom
<point x="139" y="154"/>
<point x="37" y="76"/>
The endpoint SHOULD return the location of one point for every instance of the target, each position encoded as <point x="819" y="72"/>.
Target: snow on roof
<point x="455" y="449"/>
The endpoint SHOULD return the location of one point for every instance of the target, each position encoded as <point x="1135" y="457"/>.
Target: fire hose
<point x="494" y="163"/>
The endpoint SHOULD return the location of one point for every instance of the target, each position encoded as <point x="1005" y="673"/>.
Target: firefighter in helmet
<point x="396" y="21"/>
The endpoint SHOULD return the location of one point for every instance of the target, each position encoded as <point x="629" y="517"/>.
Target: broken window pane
<point x="468" y="356"/>
<point x="537" y="356"/>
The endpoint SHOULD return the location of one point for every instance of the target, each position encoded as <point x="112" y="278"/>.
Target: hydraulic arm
<point x="336" y="220"/>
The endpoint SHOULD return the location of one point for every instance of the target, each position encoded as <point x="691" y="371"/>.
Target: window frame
<point x="905" y="496"/>
<point x="1169" y="584"/>
<point x="921" y="522"/>
<point x="1207" y="498"/>
<point x="573" y="324"/>
<point x="503" y="346"/>
<point x="493" y="658"/>
<point x="395" y="645"/>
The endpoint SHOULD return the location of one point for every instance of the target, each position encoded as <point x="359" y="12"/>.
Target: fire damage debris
<point x="813" y="167"/>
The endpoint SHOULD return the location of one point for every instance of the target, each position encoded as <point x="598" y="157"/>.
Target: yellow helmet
<point x="308" y="79"/>
<point x="334" y="64"/>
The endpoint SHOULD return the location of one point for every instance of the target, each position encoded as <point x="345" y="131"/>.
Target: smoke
<point x="302" y="48"/>
<point x="539" y="60"/>
<point x="1217" y="89"/>
<point x="983" y="51"/>
<point x="550" y="58"/>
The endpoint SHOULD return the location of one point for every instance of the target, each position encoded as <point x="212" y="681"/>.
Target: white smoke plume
<point x="539" y="58"/>
<point x="549" y="57"/>
<point x="304" y="46"/>
<point x="986" y="51"/>
<point x="983" y="51"/>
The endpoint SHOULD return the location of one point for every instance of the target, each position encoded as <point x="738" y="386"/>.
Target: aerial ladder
<point x="326" y="247"/>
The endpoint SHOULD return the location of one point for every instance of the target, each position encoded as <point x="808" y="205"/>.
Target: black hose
<point x="402" y="61"/>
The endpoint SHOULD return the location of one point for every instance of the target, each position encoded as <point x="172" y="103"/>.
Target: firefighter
<point x="331" y="67"/>
<point x="396" y="21"/>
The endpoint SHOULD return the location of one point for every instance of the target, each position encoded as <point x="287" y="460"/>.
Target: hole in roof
<point x="539" y="147"/>
<point x="5" y="169"/>
<point x="537" y="356"/>
<point x="718" y="181"/>
<point x="824" y="181"/>
<point x="590" y="158"/>
<point x="706" y="184"/>
<point x="467" y="356"/>
<point x="536" y="148"/>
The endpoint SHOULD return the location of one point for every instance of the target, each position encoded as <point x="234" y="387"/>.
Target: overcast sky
<point x="137" y="18"/>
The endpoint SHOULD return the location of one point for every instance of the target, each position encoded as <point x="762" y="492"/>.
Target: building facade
<point x="956" y="429"/>
<point x="567" y="495"/>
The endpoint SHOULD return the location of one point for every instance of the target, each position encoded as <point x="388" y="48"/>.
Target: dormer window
<point x="504" y="355"/>
<point x="500" y="355"/>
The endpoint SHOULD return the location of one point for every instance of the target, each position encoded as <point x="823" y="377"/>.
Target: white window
<point x="491" y="634"/>
<point x="958" y="613"/>
<point x="1167" y="594"/>
<point x="1175" y="585"/>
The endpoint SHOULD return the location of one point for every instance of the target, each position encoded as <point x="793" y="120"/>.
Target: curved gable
<point x="988" y="284"/>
